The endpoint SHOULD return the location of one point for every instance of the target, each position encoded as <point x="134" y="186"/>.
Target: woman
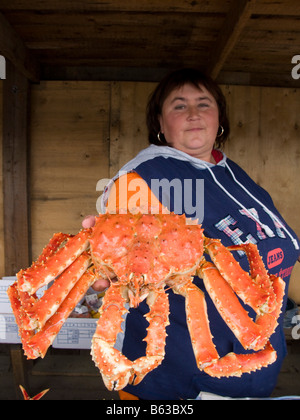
<point x="187" y="124"/>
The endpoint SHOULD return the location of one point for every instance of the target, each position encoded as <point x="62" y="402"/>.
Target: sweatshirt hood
<point x="154" y="151"/>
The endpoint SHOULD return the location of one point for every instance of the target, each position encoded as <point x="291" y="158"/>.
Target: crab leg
<point x="27" y="300"/>
<point x="53" y="245"/>
<point x="228" y="306"/>
<point x="198" y="324"/>
<point x="115" y="368"/>
<point x="236" y="364"/>
<point x="19" y="314"/>
<point x="46" y="306"/>
<point x="158" y="319"/>
<point x="268" y="322"/>
<point x="240" y="281"/>
<point x="258" y="271"/>
<point x="41" y="341"/>
<point x="117" y="371"/>
<point x="252" y="335"/>
<point x="38" y="275"/>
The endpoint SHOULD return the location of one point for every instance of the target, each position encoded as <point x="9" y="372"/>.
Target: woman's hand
<point x="88" y="222"/>
<point x="101" y="285"/>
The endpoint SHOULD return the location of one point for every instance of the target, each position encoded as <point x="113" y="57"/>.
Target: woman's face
<point x="190" y="121"/>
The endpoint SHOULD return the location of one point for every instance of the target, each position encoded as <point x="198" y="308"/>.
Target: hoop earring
<point x="159" y="139"/>
<point x="222" y="131"/>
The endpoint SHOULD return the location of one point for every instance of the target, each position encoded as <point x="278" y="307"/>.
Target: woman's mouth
<point x="195" y="129"/>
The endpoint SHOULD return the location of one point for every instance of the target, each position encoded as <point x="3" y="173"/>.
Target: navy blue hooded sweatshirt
<point x="233" y="208"/>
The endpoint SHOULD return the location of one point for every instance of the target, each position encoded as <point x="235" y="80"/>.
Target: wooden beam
<point x="13" y="48"/>
<point x="199" y="6"/>
<point x="235" y="22"/>
<point x="80" y="73"/>
<point x="15" y="170"/>
<point x="263" y="7"/>
<point x="19" y="368"/>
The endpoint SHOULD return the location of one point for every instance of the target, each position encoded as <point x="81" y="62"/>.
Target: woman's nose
<point x="193" y="112"/>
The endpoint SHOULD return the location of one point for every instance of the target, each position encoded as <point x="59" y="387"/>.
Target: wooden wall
<point x="69" y="134"/>
<point x="82" y="132"/>
<point x="1" y="193"/>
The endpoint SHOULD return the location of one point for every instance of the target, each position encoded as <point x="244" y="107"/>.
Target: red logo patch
<point x="275" y="257"/>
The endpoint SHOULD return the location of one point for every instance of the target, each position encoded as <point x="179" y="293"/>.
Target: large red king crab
<point x="148" y="253"/>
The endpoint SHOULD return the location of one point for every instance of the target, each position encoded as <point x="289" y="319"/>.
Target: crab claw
<point x="116" y="369"/>
<point x="35" y="398"/>
<point x="236" y="364"/>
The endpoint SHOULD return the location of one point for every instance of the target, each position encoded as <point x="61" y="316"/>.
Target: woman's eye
<point x="178" y="107"/>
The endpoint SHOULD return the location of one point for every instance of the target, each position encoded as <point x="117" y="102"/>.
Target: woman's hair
<point x="176" y="80"/>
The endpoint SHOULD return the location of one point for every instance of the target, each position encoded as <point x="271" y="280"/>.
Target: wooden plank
<point x="65" y="365"/>
<point x="137" y="74"/>
<point x="245" y="78"/>
<point x="94" y="73"/>
<point x="272" y="25"/>
<point x="13" y="48"/>
<point x="243" y="103"/>
<point x="266" y="7"/>
<point x="69" y="57"/>
<point x="235" y="22"/>
<point x="19" y="368"/>
<point x="279" y="7"/>
<point x="89" y="38"/>
<point x="280" y="129"/>
<point x="2" y="259"/>
<point x="179" y="6"/>
<point x="15" y="169"/>
<point x="69" y="154"/>
<point x="280" y="125"/>
<point x="111" y="26"/>
<point x="128" y="133"/>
